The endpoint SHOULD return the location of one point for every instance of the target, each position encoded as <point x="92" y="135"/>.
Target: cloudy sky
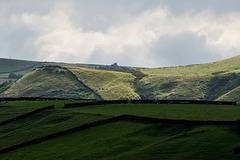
<point x="148" y="33"/>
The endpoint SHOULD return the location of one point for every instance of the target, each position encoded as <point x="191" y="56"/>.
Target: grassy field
<point x="10" y="112"/>
<point x="132" y="141"/>
<point x="122" y="139"/>
<point x="168" y="111"/>
<point x="39" y="104"/>
<point x="42" y="124"/>
<point x="11" y="65"/>
<point x="13" y="109"/>
<point x="4" y="75"/>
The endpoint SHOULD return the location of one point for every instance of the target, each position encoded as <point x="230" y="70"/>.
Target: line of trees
<point x="15" y="76"/>
<point x="113" y="66"/>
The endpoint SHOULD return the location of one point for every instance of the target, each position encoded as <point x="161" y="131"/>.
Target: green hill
<point x="11" y="65"/>
<point x="74" y="82"/>
<point x="108" y="84"/>
<point x="14" y="65"/>
<point x="23" y="67"/>
<point x="215" y="68"/>
<point x="232" y="95"/>
<point x="199" y="82"/>
<point x="212" y="81"/>
<point x="50" y="82"/>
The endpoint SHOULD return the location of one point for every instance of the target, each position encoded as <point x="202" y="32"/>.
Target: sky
<point x="140" y="33"/>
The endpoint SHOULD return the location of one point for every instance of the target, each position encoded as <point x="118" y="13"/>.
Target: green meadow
<point x="167" y="111"/>
<point x="129" y="140"/>
<point x="121" y="139"/>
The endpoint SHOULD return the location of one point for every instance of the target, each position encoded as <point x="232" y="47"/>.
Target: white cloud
<point x="60" y="35"/>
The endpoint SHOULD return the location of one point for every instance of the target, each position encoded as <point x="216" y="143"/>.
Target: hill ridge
<point x="207" y="81"/>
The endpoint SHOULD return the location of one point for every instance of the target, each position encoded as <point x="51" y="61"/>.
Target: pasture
<point x="119" y="139"/>
<point x="206" y="112"/>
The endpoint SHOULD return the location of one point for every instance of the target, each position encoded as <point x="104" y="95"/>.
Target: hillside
<point x="74" y="82"/>
<point x="108" y="84"/>
<point x="201" y="82"/>
<point x="11" y="65"/>
<point x="23" y="67"/>
<point x="212" y="81"/>
<point x="14" y="65"/>
<point x="232" y="95"/>
<point x="50" y="82"/>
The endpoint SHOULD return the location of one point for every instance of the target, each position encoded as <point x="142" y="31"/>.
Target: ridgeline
<point x="212" y="81"/>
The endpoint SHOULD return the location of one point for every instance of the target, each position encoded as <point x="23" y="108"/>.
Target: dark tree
<point x="15" y="76"/>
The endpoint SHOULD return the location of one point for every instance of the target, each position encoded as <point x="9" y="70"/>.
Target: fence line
<point x="148" y="102"/>
<point x="172" y="121"/>
<point x="36" y="99"/>
<point x="25" y="115"/>
<point x="95" y="103"/>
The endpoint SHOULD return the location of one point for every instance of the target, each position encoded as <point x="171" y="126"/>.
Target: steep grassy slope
<point x="209" y="69"/>
<point x="108" y="84"/>
<point x="233" y="95"/>
<point x="74" y="82"/>
<point x="5" y="85"/>
<point x="205" y="81"/>
<point x="197" y="82"/>
<point x="53" y="81"/>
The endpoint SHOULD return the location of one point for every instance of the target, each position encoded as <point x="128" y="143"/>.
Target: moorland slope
<point x="212" y="81"/>
<point x="22" y="67"/>
<point x="199" y="82"/>
<point x="74" y="82"/>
